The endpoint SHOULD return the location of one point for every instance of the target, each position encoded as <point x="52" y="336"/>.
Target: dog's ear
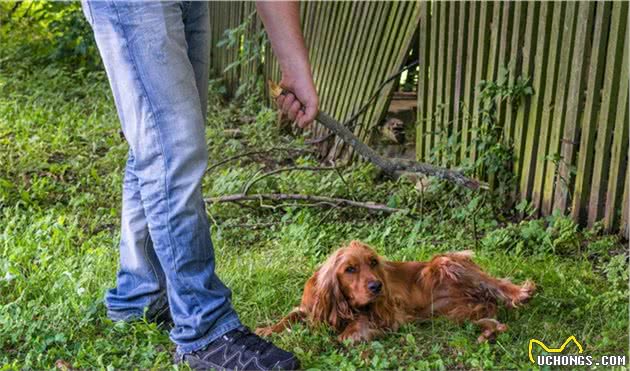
<point x="330" y="304"/>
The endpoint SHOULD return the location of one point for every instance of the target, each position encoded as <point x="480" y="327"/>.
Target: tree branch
<point x="392" y="167"/>
<point x="314" y="200"/>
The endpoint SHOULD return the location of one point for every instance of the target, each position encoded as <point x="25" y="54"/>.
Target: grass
<point x="61" y="164"/>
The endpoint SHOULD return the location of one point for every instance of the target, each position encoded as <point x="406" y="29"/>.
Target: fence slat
<point x="469" y="86"/>
<point x="396" y="58"/>
<point x="589" y="117"/>
<point x="619" y="154"/>
<point x="533" y="124"/>
<point x="460" y="73"/>
<point x="577" y="83"/>
<point x="505" y="33"/>
<point x="559" y="105"/>
<point x="606" y="119"/>
<point x="379" y="63"/>
<point x="514" y="63"/>
<point x="548" y="107"/>
<point x="431" y="93"/>
<point x="423" y="76"/>
<point x="361" y="92"/>
<point x="483" y="43"/>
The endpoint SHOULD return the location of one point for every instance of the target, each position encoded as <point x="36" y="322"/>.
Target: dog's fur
<point x="449" y="285"/>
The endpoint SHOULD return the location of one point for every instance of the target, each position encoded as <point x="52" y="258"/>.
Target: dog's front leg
<point x="361" y="329"/>
<point x="296" y="315"/>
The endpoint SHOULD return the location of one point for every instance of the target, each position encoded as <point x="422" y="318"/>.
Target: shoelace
<point x="248" y="340"/>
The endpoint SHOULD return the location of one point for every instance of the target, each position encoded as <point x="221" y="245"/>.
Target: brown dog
<point x="360" y="294"/>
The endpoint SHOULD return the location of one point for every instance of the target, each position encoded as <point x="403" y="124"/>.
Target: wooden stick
<point x="317" y="200"/>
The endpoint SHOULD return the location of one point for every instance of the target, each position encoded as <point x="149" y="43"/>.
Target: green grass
<point x="61" y="163"/>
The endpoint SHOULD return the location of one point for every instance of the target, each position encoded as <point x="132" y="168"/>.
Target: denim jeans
<point x="156" y="55"/>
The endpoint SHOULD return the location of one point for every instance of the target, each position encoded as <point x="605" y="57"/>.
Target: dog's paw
<point x="525" y="293"/>
<point x="351" y="337"/>
<point x="264" y="331"/>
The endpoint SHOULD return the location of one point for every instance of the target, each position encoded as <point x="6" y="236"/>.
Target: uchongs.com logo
<point x="558" y="356"/>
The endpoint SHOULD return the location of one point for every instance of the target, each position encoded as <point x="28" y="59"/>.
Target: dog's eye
<point x="373" y="262"/>
<point x="351" y="269"/>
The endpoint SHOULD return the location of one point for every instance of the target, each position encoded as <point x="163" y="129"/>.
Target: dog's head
<point x="351" y="280"/>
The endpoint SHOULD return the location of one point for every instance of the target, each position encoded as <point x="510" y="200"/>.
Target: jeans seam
<point x="157" y="134"/>
<point x="146" y="253"/>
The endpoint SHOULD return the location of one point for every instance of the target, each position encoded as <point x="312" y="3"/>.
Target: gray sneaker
<point x="240" y="349"/>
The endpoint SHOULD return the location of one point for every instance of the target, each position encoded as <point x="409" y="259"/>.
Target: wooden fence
<point x="570" y="138"/>
<point x="353" y="46"/>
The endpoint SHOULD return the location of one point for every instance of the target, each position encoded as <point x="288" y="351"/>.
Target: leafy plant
<point x="250" y="43"/>
<point x="58" y="34"/>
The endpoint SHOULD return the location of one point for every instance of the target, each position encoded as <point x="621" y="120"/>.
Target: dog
<point x="361" y="295"/>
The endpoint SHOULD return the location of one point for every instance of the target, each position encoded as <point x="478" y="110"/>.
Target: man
<point x="156" y="58"/>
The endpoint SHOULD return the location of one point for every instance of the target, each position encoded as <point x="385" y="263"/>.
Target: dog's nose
<point x="375" y="286"/>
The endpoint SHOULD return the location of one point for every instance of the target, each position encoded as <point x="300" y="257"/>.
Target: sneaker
<point x="240" y="349"/>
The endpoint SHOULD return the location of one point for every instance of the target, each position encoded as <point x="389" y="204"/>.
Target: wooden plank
<point x="323" y="52"/>
<point x="619" y="155"/>
<point x="448" y="125"/>
<point x="522" y="115"/>
<point x="323" y="10"/>
<point x="432" y="86"/>
<point x="460" y="73"/>
<point x="533" y="124"/>
<point x="344" y="61"/>
<point x="375" y="35"/>
<point x="559" y="104"/>
<point x="483" y="43"/>
<point x="495" y="24"/>
<point x="469" y="84"/>
<point x="577" y="83"/>
<point x="505" y="35"/>
<point x="589" y="116"/>
<point x="356" y="55"/>
<point x="608" y="108"/>
<point x="515" y="64"/>
<point x="492" y="68"/>
<point x="380" y="63"/>
<point x="334" y="64"/>
<point x="619" y="162"/>
<point x="548" y="107"/>
<point x="423" y="77"/>
<point x="399" y="54"/>
<point x="438" y="127"/>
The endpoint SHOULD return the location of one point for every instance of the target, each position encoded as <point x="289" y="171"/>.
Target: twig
<point x="281" y="170"/>
<point x="315" y="201"/>
<point x="253" y="153"/>
<point x="320" y="139"/>
<point x="254" y="226"/>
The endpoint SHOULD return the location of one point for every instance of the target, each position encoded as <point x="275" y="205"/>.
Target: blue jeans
<point x="156" y="55"/>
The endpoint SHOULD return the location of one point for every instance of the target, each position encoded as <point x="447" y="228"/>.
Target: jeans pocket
<point x="87" y="11"/>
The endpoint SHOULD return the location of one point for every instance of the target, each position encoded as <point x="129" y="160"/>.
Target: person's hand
<point x="299" y="99"/>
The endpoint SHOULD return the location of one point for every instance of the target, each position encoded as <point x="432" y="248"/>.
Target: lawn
<point x="61" y="165"/>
